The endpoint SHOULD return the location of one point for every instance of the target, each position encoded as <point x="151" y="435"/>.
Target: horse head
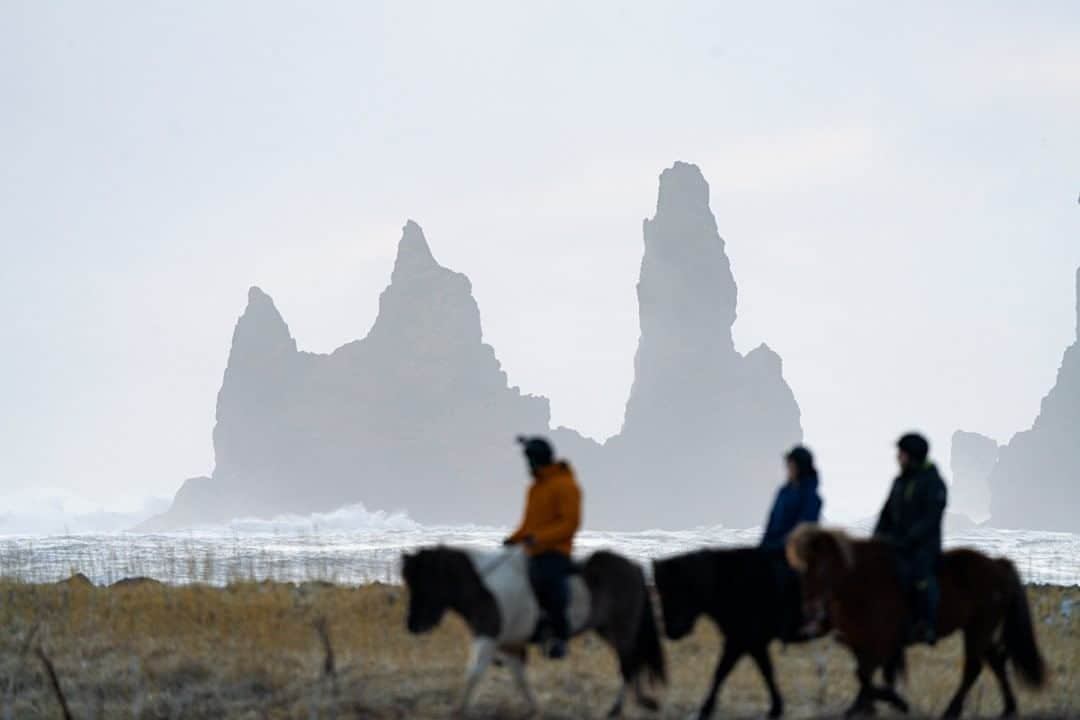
<point x="680" y="581"/>
<point x="822" y="556"/>
<point x="428" y="576"/>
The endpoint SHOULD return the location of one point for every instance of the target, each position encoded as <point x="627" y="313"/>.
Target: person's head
<point x="800" y="463"/>
<point x="538" y="452"/>
<point x="911" y="451"/>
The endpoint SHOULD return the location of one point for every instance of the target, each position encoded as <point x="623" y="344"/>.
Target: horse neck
<point x="871" y="564"/>
<point x="471" y="599"/>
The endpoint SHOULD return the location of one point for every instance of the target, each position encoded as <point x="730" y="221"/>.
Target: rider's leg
<point x="548" y="574"/>
<point x="929" y="597"/>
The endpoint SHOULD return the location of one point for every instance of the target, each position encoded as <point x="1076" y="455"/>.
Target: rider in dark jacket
<point x="796" y="502"/>
<point x="911" y="523"/>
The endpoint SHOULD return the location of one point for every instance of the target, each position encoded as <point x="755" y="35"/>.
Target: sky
<point x="897" y="185"/>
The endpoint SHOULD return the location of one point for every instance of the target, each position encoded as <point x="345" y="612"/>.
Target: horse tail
<point x="648" y="651"/>
<point x="617" y="586"/>
<point x="1019" y="636"/>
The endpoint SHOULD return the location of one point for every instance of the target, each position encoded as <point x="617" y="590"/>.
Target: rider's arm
<point x="884" y="523"/>
<point x="518" y="535"/>
<point x="521" y="533"/>
<point x="809" y="510"/>
<point x="568" y="513"/>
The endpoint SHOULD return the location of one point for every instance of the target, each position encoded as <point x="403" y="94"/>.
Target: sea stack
<point x="1034" y="484"/>
<point x="705" y="426"/>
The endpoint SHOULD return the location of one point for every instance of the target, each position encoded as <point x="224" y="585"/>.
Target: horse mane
<point x="802" y="539"/>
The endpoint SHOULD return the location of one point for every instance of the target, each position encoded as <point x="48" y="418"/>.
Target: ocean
<point x="354" y="546"/>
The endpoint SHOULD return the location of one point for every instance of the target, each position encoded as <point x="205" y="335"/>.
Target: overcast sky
<point x="897" y="185"/>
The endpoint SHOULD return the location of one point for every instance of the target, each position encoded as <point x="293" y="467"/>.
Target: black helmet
<point x="803" y="459"/>
<point x="916" y="447"/>
<point x="537" y="450"/>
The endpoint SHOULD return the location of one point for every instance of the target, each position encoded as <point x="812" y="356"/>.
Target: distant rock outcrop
<point x="973" y="458"/>
<point x="705" y="426"/>
<point x="1034" y="484"/>
<point x="419" y="415"/>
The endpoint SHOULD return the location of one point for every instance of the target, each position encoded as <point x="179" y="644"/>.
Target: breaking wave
<point x="355" y="545"/>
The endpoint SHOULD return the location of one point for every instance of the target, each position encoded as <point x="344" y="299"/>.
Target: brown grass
<point x="272" y="650"/>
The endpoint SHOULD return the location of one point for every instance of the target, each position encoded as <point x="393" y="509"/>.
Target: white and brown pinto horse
<point x="492" y="594"/>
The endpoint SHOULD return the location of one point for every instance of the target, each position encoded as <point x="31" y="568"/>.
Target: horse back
<point x="745" y="589"/>
<point x="974" y="587"/>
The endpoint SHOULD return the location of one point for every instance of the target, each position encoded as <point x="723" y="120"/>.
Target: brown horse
<point x="854" y="583"/>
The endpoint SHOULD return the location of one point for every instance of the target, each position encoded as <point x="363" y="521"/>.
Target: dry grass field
<point x="271" y="650"/>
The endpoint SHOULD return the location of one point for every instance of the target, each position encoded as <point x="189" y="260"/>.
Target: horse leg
<point x="480" y="656"/>
<point x="644" y="699"/>
<point x="888" y="693"/>
<point x="973" y="660"/>
<point x="864" y="701"/>
<point x="730" y="656"/>
<point x="516" y="661"/>
<point x="617" y="708"/>
<point x="764" y="663"/>
<point x="616" y="639"/>
<point x="997" y="657"/>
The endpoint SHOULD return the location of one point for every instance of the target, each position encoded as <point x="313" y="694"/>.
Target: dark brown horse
<point x="854" y="583"/>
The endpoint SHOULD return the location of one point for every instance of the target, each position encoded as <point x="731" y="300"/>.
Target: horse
<point x="742" y="591"/>
<point x="855" y="584"/>
<point x="492" y="594"/>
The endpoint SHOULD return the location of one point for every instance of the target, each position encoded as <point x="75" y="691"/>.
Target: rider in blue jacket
<point x="796" y="502"/>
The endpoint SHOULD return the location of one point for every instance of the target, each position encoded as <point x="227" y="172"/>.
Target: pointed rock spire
<point x="414" y="254"/>
<point x="261" y="329"/>
<point x="696" y="403"/>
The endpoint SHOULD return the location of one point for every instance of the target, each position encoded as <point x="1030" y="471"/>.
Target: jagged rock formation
<point x="1034" y="483"/>
<point x="420" y="416"/>
<point x="973" y="458"/>
<point x="417" y="415"/>
<point x="705" y="427"/>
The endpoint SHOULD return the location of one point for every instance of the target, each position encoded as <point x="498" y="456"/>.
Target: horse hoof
<point x="648" y="703"/>
<point x="776" y="711"/>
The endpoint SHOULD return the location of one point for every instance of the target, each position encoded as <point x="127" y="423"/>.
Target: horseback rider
<point x="796" y="502"/>
<point x="552" y="517"/>
<point x="911" y="523"/>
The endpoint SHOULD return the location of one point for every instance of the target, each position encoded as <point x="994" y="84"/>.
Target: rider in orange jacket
<point x="552" y="517"/>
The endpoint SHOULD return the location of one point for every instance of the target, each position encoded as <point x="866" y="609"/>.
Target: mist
<point x="896" y="189"/>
